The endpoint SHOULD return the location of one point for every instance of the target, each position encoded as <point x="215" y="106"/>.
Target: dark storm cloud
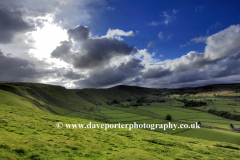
<point x="186" y="77"/>
<point x="18" y="70"/>
<point x="191" y="61"/>
<point x="227" y="68"/>
<point x="72" y="75"/>
<point x="92" y="52"/>
<point x="223" y="68"/>
<point x="112" y="75"/>
<point x="156" y="73"/>
<point x="11" y="22"/>
<point x="63" y="51"/>
<point x="79" y="33"/>
<point x="235" y="56"/>
<point x="137" y="79"/>
<point x="98" y="52"/>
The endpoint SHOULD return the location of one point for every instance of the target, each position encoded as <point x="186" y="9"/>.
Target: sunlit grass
<point x="28" y="129"/>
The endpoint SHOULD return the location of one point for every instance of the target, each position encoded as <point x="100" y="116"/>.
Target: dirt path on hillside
<point x="163" y="117"/>
<point x="153" y="113"/>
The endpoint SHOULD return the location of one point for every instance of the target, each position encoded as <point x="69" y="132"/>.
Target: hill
<point x="124" y="91"/>
<point x="53" y="99"/>
<point x="28" y="131"/>
<point x="104" y="95"/>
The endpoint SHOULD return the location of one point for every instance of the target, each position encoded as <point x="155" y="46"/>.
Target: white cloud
<point x="199" y="39"/>
<point x="195" y="40"/>
<point x="214" y="26"/>
<point x="223" y="43"/>
<point x="144" y="54"/>
<point x="184" y="45"/>
<point x="220" y="49"/>
<point x="153" y="23"/>
<point x="146" y="58"/>
<point x="202" y="38"/>
<point x="169" y="37"/>
<point x="111" y="8"/>
<point x="118" y="32"/>
<point x="175" y="11"/>
<point x="160" y="36"/>
<point x="46" y="39"/>
<point x="67" y="13"/>
<point x="161" y="55"/>
<point x="168" y="16"/>
<point x="151" y="44"/>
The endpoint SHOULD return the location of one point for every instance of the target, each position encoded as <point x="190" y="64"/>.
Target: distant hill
<point x="123" y="92"/>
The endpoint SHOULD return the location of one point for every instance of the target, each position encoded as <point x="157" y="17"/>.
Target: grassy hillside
<point x="29" y="132"/>
<point x="53" y="99"/>
<point x="103" y="95"/>
<point x="54" y="95"/>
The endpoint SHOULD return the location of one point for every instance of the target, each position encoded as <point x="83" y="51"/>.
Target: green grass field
<point x="220" y="123"/>
<point x="29" y="114"/>
<point x="124" y="115"/>
<point x="178" y="113"/>
<point x="212" y="135"/>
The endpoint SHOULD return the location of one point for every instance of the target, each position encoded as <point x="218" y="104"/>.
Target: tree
<point x="169" y="117"/>
<point x="199" y="123"/>
<point x="115" y="101"/>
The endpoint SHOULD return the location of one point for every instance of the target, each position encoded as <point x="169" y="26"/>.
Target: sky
<point x="104" y="43"/>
